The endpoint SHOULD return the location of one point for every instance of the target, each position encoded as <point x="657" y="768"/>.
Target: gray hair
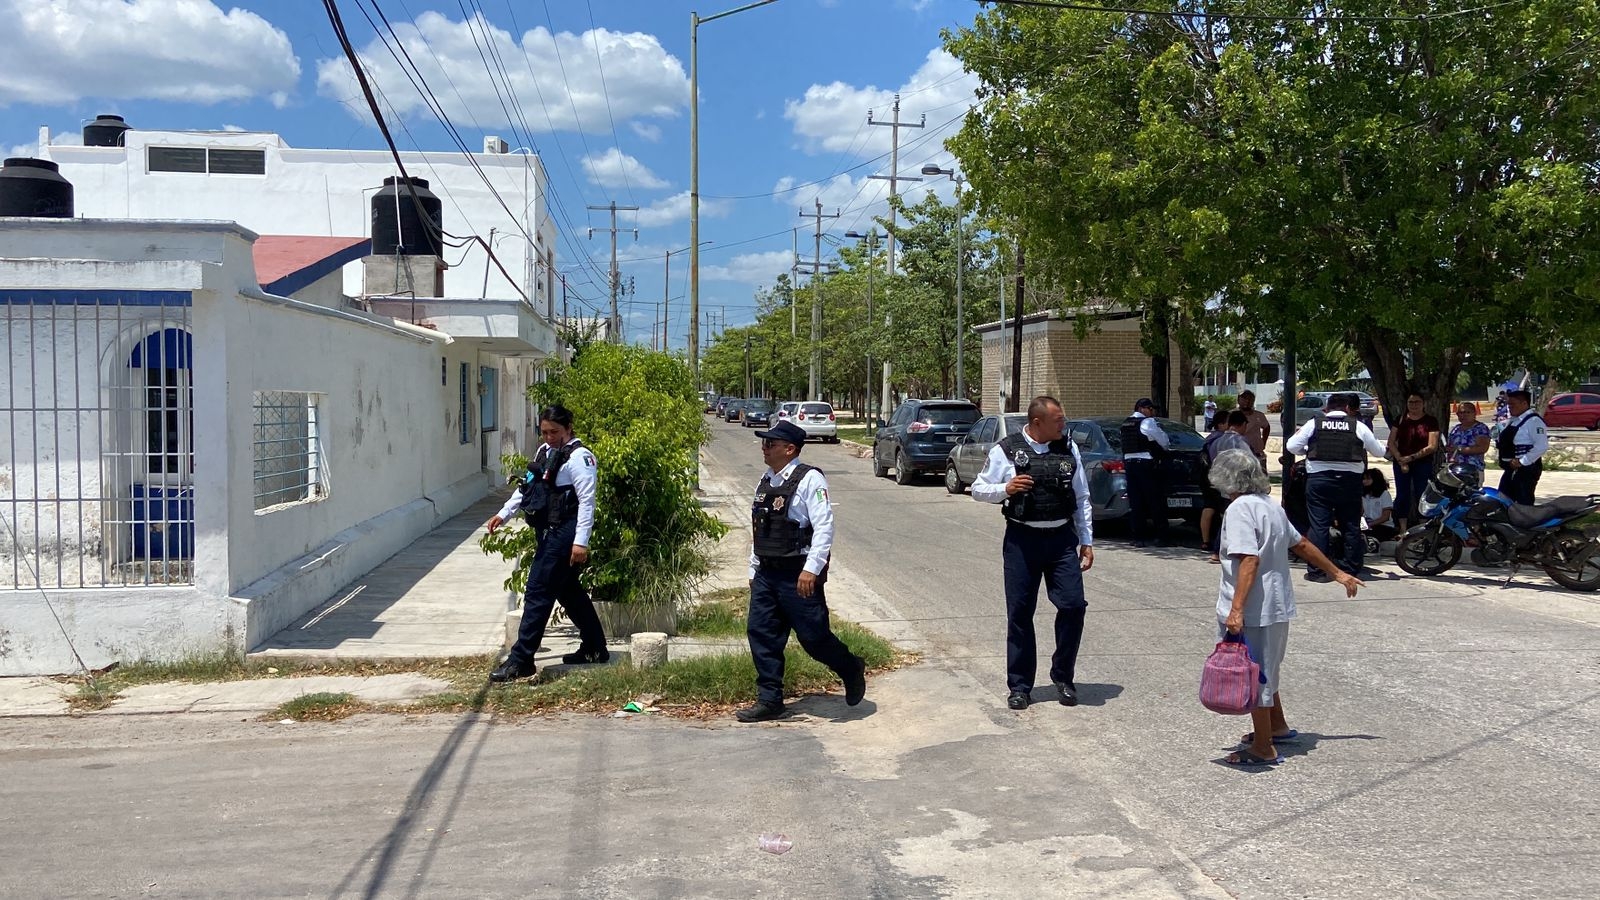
<point x="1238" y="472"/>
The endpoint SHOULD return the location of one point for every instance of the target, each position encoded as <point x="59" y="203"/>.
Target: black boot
<point x="512" y="671"/>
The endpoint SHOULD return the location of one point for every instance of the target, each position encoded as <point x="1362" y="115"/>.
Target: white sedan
<point x="816" y="418"/>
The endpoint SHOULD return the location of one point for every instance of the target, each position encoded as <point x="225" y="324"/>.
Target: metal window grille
<point x="287" y="448"/>
<point x="466" y="407"/>
<point x="96" y="439"/>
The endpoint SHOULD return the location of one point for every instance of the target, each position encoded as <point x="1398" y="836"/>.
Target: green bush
<point x="639" y="413"/>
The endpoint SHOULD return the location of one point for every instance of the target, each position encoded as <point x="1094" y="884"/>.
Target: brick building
<point x="1100" y="375"/>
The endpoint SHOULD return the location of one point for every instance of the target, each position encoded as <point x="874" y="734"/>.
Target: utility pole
<point x="894" y="177"/>
<point x="666" y="288"/>
<point x="615" y="325"/>
<point x="814" y="392"/>
<point x="1013" y="402"/>
<point x="749" y="388"/>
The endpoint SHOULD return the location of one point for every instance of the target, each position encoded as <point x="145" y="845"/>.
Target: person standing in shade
<point x="1144" y="444"/>
<point x="792" y="524"/>
<point x="1413" y="443"/>
<point x="1229" y="437"/>
<point x="1521" y="448"/>
<point x="557" y="497"/>
<point x="1210" y="413"/>
<point x="1335" y="445"/>
<point x="1257" y="429"/>
<point x="1036" y="475"/>
<point x="1469" y="439"/>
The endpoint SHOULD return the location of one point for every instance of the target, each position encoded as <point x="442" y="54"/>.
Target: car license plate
<point x="1180" y="502"/>
<point x="950" y="438"/>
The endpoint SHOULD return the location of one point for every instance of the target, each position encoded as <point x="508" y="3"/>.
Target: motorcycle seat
<point x="1525" y="516"/>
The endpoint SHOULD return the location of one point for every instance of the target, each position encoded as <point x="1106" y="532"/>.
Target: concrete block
<point x="513" y="624"/>
<point x="649" y="648"/>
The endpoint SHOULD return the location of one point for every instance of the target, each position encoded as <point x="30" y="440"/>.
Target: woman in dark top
<point x="1413" y="445"/>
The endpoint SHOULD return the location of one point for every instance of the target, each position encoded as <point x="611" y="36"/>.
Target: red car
<point x="1573" y="411"/>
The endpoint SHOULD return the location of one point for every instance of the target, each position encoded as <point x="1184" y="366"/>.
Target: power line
<point x="605" y="94"/>
<point x="1247" y="17"/>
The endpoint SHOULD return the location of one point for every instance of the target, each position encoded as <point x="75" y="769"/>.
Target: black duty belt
<point x="782" y="563"/>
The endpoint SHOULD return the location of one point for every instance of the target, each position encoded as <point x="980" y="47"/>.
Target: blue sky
<point x="784" y="95"/>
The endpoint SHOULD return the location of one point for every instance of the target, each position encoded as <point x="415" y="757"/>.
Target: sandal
<point x="1246" y="759"/>
<point x="1289" y="738"/>
<point x="1214" y="560"/>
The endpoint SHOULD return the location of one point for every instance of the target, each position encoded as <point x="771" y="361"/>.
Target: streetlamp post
<point x="961" y="319"/>
<point x="695" y="21"/>
<point x="666" y="289"/>
<point x="872" y="246"/>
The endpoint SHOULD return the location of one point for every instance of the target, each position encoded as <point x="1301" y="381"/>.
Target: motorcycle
<point x="1501" y="533"/>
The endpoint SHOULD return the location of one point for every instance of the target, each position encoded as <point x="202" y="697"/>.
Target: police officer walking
<point x="1144" y="442"/>
<point x="1335" y="445"/>
<point x="792" y="521"/>
<point x="1521" y="448"/>
<point x="1037" y="477"/>
<point x="557" y="498"/>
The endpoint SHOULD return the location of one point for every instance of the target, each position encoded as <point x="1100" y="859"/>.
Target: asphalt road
<point x="1450" y="750"/>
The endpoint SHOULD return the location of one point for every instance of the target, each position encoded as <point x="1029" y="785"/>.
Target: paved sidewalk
<point x="26" y="697"/>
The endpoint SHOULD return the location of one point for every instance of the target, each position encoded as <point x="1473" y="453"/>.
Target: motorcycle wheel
<point x="1428" y="551"/>
<point x="1578" y="568"/>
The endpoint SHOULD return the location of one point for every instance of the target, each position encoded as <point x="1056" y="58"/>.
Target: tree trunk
<point x="1392" y="380"/>
<point x="1013" y="402"/>
<point x="1158" y="340"/>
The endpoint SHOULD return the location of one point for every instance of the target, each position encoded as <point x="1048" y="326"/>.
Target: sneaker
<point x="762" y="711"/>
<point x="585" y="657"/>
<point x="511" y="671"/>
<point x="855" y="686"/>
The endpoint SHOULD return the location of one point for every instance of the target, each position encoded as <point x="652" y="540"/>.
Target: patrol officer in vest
<point x="1336" y="445"/>
<point x="1037" y="477"/>
<point x="557" y="497"/>
<point x="1144" y="442"/>
<point x="792" y="522"/>
<point x="1521" y="448"/>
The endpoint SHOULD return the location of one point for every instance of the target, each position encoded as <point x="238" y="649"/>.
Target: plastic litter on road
<point x="776" y="844"/>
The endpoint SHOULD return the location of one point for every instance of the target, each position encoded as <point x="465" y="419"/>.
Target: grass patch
<point x="859" y="434"/>
<point x="320" y="707"/>
<point x="718" y="614"/>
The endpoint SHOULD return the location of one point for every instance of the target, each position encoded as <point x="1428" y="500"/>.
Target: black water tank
<point x="106" y="131"/>
<point x="34" y="187"/>
<point x="398" y="227"/>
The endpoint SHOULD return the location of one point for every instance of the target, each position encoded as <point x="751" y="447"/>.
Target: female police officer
<point x="557" y="497"/>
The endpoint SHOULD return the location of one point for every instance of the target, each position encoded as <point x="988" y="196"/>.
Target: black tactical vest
<point x="544" y="504"/>
<point x="775" y="534"/>
<point x="1134" y="440"/>
<point x="1508" y="446"/>
<point x="1335" y="440"/>
<point x="1052" y="496"/>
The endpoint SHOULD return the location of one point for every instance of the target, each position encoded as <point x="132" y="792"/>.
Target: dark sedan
<point x="1183" y="471"/>
<point x="1108" y="484"/>
<point x="733" y="410"/>
<point x="758" y="413"/>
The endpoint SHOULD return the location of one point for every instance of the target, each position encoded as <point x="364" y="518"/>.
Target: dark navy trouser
<point x="1518" y="484"/>
<point x="1029" y="554"/>
<point x="1335" y="497"/>
<point x="775" y="607"/>
<point x="553" y="579"/>
<point x="1147" y="503"/>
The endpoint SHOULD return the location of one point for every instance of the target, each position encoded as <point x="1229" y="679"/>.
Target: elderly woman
<point x="1469" y="439"/>
<point x="1257" y="594"/>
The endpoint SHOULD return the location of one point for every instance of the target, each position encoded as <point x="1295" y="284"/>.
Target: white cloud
<point x="751" y="268"/>
<point x="615" y="169"/>
<point x="829" y="119"/>
<point x="676" y="208"/>
<point x="182" y="50"/>
<point x="641" y="78"/>
<point x="649" y="132"/>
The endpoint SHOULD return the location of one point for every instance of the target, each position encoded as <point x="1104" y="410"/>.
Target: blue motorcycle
<point x="1460" y="513"/>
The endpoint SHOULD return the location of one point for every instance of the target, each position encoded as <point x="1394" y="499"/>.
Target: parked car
<point x="1108" y="481"/>
<point x="918" y="437"/>
<point x="709" y="398"/>
<point x="722" y="405"/>
<point x="1307" y="407"/>
<point x="757" y="413"/>
<point x="1183" y="470"/>
<point x="1573" y="411"/>
<point x="815" y="417"/>
<point x="733" y="410"/>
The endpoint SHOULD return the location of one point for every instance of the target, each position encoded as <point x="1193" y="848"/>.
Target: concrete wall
<point x="1099" y="375"/>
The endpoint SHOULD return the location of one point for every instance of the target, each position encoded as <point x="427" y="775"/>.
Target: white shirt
<point x="1539" y="438"/>
<point x="579" y="471"/>
<point x="1256" y="526"/>
<point x="1373" y="507"/>
<point x="1151" y="429"/>
<point x="991" y="486"/>
<point x="1301" y="440"/>
<point x="810" y="504"/>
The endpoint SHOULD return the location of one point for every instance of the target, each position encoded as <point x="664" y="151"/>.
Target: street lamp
<point x="961" y="320"/>
<point x="666" y="290"/>
<point x="871" y="238"/>
<point x="694" y="179"/>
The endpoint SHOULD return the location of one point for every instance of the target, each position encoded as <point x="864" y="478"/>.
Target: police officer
<point x="1521" y="447"/>
<point x="1335" y="445"/>
<point x="1144" y="442"/>
<point x="792" y="523"/>
<point x="557" y="498"/>
<point x="1037" y="477"/>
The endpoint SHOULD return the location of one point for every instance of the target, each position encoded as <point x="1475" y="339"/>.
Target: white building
<point x="204" y="436"/>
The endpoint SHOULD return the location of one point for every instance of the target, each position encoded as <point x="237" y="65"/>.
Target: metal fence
<point x="96" y="439"/>
<point x="287" y="449"/>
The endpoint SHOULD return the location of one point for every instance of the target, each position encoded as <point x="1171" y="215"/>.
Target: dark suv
<point x="917" y="438"/>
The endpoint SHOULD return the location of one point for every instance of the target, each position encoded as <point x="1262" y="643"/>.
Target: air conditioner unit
<point x="493" y="144"/>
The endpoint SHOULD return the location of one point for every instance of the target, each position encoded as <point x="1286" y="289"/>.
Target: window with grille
<point x="288" y="448"/>
<point x="466" y="407"/>
<point x="200" y="160"/>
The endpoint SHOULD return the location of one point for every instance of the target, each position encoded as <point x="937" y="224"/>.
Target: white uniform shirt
<point x="991" y="486"/>
<point x="1531" y="430"/>
<point x="1151" y="429"/>
<point x="1300" y="441"/>
<point x="579" y="471"/>
<point x="810" y="504"/>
